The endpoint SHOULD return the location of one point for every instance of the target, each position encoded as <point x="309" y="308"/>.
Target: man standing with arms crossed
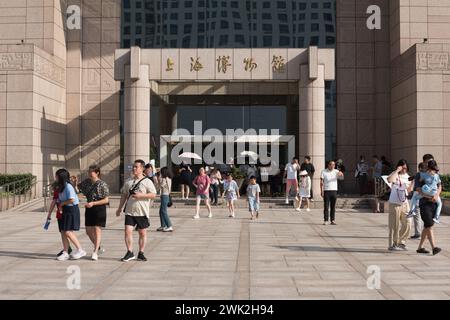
<point x="136" y="195"/>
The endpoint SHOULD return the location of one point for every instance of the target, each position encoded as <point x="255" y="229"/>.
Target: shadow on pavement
<point x="330" y="249"/>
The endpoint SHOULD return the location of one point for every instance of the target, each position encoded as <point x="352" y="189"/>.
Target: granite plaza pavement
<point x="284" y="255"/>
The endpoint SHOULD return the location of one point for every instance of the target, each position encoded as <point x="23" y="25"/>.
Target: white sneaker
<point x="196" y="217"/>
<point x="169" y="229"/>
<point x="94" y="256"/>
<point x="232" y="215"/>
<point x="63" y="257"/>
<point x="210" y="215"/>
<point x="78" y="254"/>
<point x="287" y="201"/>
<point x="308" y="209"/>
<point x="298" y="209"/>
<point x="436" y="221"/>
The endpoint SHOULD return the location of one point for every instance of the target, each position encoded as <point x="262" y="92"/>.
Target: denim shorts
<point x="253" y="205"/>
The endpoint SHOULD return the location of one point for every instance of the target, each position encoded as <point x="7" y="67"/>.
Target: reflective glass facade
<point x="234" y="24"/>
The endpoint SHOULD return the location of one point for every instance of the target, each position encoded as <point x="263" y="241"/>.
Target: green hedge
<point x="20" y="188"/>
<point x="445" y="182"/>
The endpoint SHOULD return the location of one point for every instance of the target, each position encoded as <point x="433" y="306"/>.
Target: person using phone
<point x="328" y="188"/>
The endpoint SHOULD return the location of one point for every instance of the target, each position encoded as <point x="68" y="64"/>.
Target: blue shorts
<point x="253" y="205"/>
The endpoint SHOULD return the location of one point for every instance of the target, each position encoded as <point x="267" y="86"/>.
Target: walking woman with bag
<point x="165" y="184"/>
<point x="96" y="192"/>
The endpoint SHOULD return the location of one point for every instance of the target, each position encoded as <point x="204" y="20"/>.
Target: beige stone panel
<point x="89" y="155"/>
<point x="346" y="80"/>
<point x="430" y="119"/>
<point x="73" y="80"/>
<point x="12" y="31"/>
<point x="404" y="88"/>
<point x="186" y="56"/>
<point x="364" y="80"/>
<point x="318" y="118"/>
<point x="19" y="118"/>
<point x="239" y="55"/>
<point x="35" y="30"/>
<point x="110" y="106"/>
<point x="112" y="178"/>
<point x="345" y="8"/>
<point x="17" y="3"/>
<point x="346" y="132"/>
<point x="365" y="106"/>
<point x="382" y="54"/>
<point x="429" y="100"/>
<point x="208" y="59"/>
<point x="430" y="136"/>
<point x="382" y="79"/>
<point x="439" y="30"/>
<point x="110" y="133"/>
<point x="346" y="30"/>
<point x="419" y="30"/>
<point x="91" y="28"/>
<point x="74" y="55"/>
<point x="91" y="80"/>
<point x="263" y="60"/>
<point x="237" y="88"/>
<point x="90" y="106"/>
<point x="20" y="82"/>
<point x="281" y="88"/>
<point x="152" y="58"/>
<point x="108" y="84"/>
<point x="74" y="35"/>
<point x="73" y="132"/>
<point x="49" y="139"/>
<point x="2" y="118"/>
<point x="111" y="30"/>
<point x="346" y="106"/>
<point x="19" y="137"/>
<point x="365" y="55"/>
<point x="90" y="132"/>
<point x="429" y="82"/>
<point x="296" y="57"/>
<point x="107" y="55"/>
<point x="3" y="99"/>
<point x="19" y="100"/>
<point x="142" y="121"/>
<point x="346" y="55"/>
<point x="92" y="8"/>
<point x="446" y="121"/>
<point x="91" y="55"/>
<point x="109" y="158"/>
<point x="111" y="8"/>
<point x="221" y="52"/>
<point x="363" y="34"/>
<point x="19" y="154"/>
<point x="174" y="71"/>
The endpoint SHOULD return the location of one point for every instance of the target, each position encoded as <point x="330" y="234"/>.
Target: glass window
<point x="126" y="17"/>
<point x="267" y="41"/>
<point x="285" y="41"/>
<point x="126" y="4"/>
<point x="314" y="27"/>
<point x="138" y="30"/>
<point x="266" y="5"/>
<point x="301" y="28"/>
<point x="201" y="27"/>
<point x="282" y="17"/>
<point x="126" y="30"/>
<point x="223" y="40"/>
<point x="328" y="17"/>
<point x="267" y="16"/>
<point x="201" y="15"/>
<point x="187" y="28"/>
<point x="301" y="16"/>
<point x="138" y="17"/>
<point x="314" y="16"/>
<point x="138" y="5"/>
<point x="284" y="28"/>
<point x="224" y="14"/>
<point x="239" y="38"/>
<point x="314" y="41"/>
<point x="188" y="15"/>
<point x="331" y="41"/>
<point x="201" y="3"/>
<point x="314" y="5"/>
<point x="173" y="29"/>
<point x="327" y="5"/>
<point x="174" y="5"/>
<point x="186" y="42"/>
<point x="281" y="4"/>
<point x="174" y="16"/>
<point x="302" y="6"/>
<point x="236" y="15"/>
<point x="237" y="26"/>
<point x="188" y="4"/>
<point x="126" y="43"/>
<point x="267" y="27"/>
<point x="329" y="28"/>
<point x="234" y="4"/>
<point x="223" y="24"/>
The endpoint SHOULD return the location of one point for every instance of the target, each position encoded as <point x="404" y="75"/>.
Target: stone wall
<point x="363" y="84"/>
<point x="93" y="135"/>
<point x="32" y="111"/>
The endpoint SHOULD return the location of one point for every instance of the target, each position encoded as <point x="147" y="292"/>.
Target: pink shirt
<point x="202" y="183"/>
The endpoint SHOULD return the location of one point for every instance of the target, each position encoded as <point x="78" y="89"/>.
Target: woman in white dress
<point x="304" y="190"/>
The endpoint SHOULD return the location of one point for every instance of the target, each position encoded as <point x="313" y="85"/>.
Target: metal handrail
<point x="17" y="192"/>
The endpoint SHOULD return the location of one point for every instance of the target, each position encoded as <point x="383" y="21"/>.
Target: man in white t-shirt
<point x="290" y="173"/>
<point x="137" y="193"/>
<point x="328" y="188"/>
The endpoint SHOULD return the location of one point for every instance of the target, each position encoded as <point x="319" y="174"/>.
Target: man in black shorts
<point x="136" y="195"/>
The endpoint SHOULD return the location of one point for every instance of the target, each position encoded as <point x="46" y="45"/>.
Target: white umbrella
<point x="189" y="155"/>
<point x="252" y="154"/>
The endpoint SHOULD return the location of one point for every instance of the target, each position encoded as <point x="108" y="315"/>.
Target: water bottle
<point x="47" y="224"/>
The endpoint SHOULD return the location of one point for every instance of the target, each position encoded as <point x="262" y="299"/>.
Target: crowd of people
<point x="411" y="199"/>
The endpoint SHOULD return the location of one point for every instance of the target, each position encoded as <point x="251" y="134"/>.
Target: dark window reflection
<point x="230" y="23"/>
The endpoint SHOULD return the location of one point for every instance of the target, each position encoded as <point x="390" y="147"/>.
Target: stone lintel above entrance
<point x="224" y="64"/>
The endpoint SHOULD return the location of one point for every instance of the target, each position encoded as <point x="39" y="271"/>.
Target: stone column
<point x="136" y="117"/>
<point x="312" y="119"/>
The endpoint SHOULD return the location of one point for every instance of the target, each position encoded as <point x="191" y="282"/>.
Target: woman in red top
<point x="202" y="183"/>
<point x="56" y="204"/>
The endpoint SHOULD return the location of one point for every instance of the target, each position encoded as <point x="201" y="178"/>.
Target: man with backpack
<point x="136" y="195"/>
